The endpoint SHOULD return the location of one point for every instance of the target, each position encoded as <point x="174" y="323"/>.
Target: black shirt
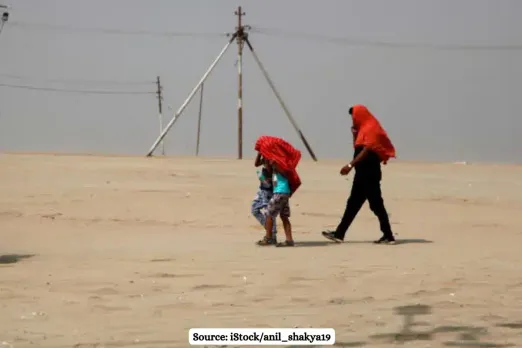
<point x="369" y="167"/>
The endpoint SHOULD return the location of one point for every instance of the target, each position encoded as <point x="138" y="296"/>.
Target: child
<point x="278" y="205"/>
<point x="264" y="194"/>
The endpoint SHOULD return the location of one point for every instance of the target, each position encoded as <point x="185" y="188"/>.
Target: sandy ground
<point x="132" y="252"/>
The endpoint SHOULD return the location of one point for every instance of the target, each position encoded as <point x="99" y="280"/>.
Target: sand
<point x="134" y="251"/>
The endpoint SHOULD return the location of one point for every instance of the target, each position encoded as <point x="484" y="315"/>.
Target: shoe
<point x="331" y="236"/>
<point x="386" y="240"/>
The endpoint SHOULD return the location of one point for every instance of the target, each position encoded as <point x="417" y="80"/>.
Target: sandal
<point x="266" y="241"/>
<point x="287" y="243"/>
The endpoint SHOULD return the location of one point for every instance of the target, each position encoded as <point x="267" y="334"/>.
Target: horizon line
<point x="223" y="157"/>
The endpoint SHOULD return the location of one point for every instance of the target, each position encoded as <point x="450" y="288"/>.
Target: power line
<point x="72" y="90"/>
<point x="39" y="26"/>
<point x="242" y="37"/>
<point x="362" y="42"/>
<point x="78" y="81"/>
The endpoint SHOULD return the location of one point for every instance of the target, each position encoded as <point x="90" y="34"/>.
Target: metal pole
<point x="240" y="38"/>
<point x="189" y="98"/>
<point x="161" y="130"/>
<point x="199" y="118"/>
<point x="278" y="96"/>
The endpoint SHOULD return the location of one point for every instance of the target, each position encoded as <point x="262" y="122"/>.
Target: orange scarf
<point x="285" y="155"/>
<point x="371" y="134"/>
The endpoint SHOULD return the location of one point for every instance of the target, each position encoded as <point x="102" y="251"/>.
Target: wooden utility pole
<point x="240" y="40"/>
<point x="160" y="109"/>
<point x="241" y="37"/>
<point x="199" y="118"/>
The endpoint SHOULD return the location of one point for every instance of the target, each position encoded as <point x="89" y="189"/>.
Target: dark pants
<point x="364" y="189"/>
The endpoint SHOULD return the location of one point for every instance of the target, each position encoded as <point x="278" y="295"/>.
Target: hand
<point x="346" y="169"/>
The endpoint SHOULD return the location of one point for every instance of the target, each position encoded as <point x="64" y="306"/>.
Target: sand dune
<point x="132" y="252"/>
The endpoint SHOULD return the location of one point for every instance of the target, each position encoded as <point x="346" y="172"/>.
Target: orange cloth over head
<point x="285" y="155"/>
<point x="371" y="134"/>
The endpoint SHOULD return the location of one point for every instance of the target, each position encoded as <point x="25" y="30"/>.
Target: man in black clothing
<point x="366" y="186"/>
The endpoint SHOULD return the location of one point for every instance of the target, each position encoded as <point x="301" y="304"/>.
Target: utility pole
<point x="240" y="37"/>
<point x="160" y="109"/>
<point x="5" y="17"/>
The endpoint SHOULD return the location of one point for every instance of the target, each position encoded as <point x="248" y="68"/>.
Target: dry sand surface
<point x="132" y="252"/>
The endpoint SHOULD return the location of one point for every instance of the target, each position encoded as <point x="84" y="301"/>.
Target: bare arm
<point x="258" y="160"/>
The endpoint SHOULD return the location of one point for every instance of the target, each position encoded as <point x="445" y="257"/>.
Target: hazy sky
<point x="436" y="104"/>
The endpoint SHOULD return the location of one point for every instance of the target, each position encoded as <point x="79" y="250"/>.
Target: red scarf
<point x="284" y="155"/>
<point x="371" y="134"/>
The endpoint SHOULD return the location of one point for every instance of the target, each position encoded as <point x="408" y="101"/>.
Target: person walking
<point x="371" y="148"/>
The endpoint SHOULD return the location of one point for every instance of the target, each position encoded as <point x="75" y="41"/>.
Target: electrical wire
<point x="360" y="42"/>
<point x="72" y="90"/>
<point x="112" y="31"/>
<point x="78" y="81"/>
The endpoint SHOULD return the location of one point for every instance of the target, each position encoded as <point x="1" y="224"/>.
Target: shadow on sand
<point x="417" y="331"/>
<point x="398" y="241"/>
<point x="466" y="336"/>
<point x="511" y="325"/>
<point x="312" y="243"/>
<point x="328" y="243"/>
<point x="13" y="258"/>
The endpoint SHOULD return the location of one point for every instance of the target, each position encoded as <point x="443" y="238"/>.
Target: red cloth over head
<point x="371" y="134"/>
<point x="284" y="155"/>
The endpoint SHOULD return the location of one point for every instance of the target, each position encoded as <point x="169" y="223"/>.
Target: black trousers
<point x="363" y="189"/>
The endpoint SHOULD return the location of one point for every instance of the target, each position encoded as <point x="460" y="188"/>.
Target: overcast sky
<point x="436" y="103"/>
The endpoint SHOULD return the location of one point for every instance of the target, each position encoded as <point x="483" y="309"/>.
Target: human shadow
<point x="312" y="243"/>
<point x="397" y="241"/>
<point x="13" y="258"/>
